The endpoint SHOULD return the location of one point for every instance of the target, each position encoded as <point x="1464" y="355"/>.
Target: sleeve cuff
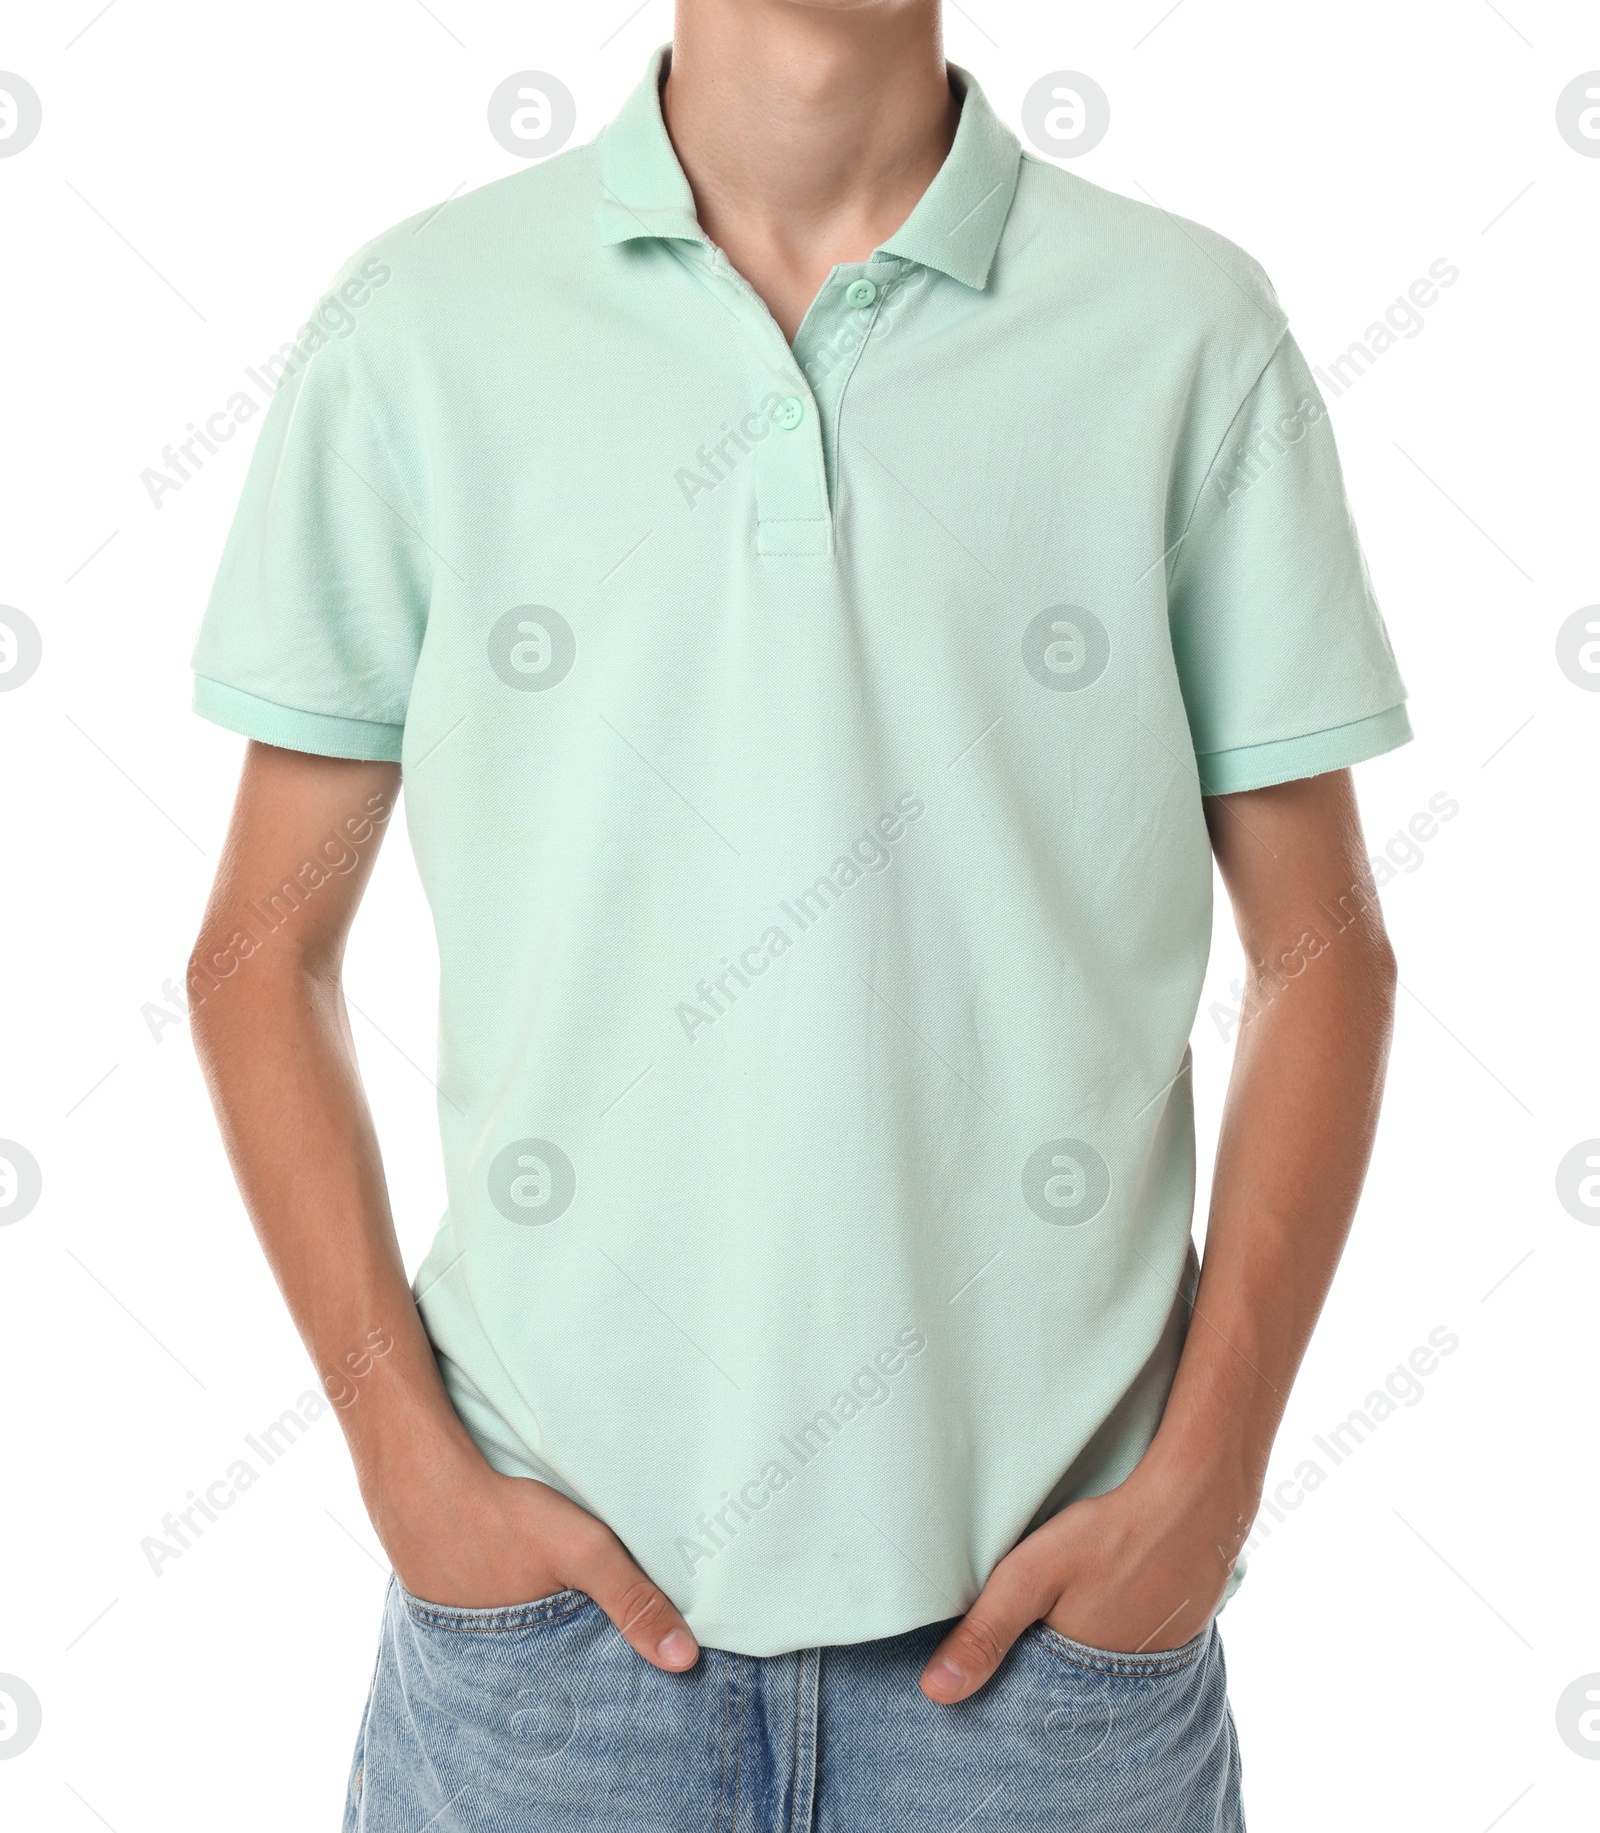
<point x="322" y="734"/>
<point x="1226" y="773"/>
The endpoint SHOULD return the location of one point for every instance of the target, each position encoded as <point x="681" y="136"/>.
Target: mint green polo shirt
<point x="804" y="752"/>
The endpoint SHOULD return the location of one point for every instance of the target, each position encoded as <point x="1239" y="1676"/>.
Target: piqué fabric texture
<point x="804" y="752"/>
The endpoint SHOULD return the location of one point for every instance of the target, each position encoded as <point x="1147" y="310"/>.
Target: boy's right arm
<point x="273" y="1037"/>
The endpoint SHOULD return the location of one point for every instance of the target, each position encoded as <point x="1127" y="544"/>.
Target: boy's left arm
<point x="1144" y="1566"/>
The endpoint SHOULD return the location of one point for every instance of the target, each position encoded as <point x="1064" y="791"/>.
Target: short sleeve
<point x="1282" y="657"/>
<point x="314" y="625"/>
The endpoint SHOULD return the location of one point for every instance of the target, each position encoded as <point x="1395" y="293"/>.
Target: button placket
<point x="793" y="517"/>
<point x="833" y="340"/>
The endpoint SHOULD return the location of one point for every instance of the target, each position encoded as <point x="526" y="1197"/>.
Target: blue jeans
<point x="541" y="1719"/>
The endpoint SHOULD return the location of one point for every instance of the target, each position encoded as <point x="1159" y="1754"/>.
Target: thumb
<point x="968" y="1656"/>
<point x="646" y="1618"/>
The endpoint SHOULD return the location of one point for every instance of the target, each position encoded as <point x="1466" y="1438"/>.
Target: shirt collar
<point x="643" y="191"/>
<point x="955" y="227"/>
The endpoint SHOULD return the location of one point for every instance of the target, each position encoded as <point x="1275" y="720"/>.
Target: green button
<point x="790" y="413"/>
<point x="860" y="293"/>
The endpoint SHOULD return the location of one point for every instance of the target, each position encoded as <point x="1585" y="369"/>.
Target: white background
<point x="1399" y="1648"/>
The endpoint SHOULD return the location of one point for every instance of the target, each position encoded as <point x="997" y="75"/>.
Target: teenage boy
<point x="832" y="585"/>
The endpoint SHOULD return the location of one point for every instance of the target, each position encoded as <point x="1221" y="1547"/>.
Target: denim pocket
<point x="502" y="1619"/>
<point x="1130" y="1740"/>
<point x="1108" y="1661"/>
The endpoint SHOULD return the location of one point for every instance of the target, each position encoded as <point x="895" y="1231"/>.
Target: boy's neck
<point x="807" y="133"/>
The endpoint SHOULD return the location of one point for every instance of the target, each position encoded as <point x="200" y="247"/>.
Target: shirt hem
<point x="291" y="728"/>
<point x="1289" y="760"/>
